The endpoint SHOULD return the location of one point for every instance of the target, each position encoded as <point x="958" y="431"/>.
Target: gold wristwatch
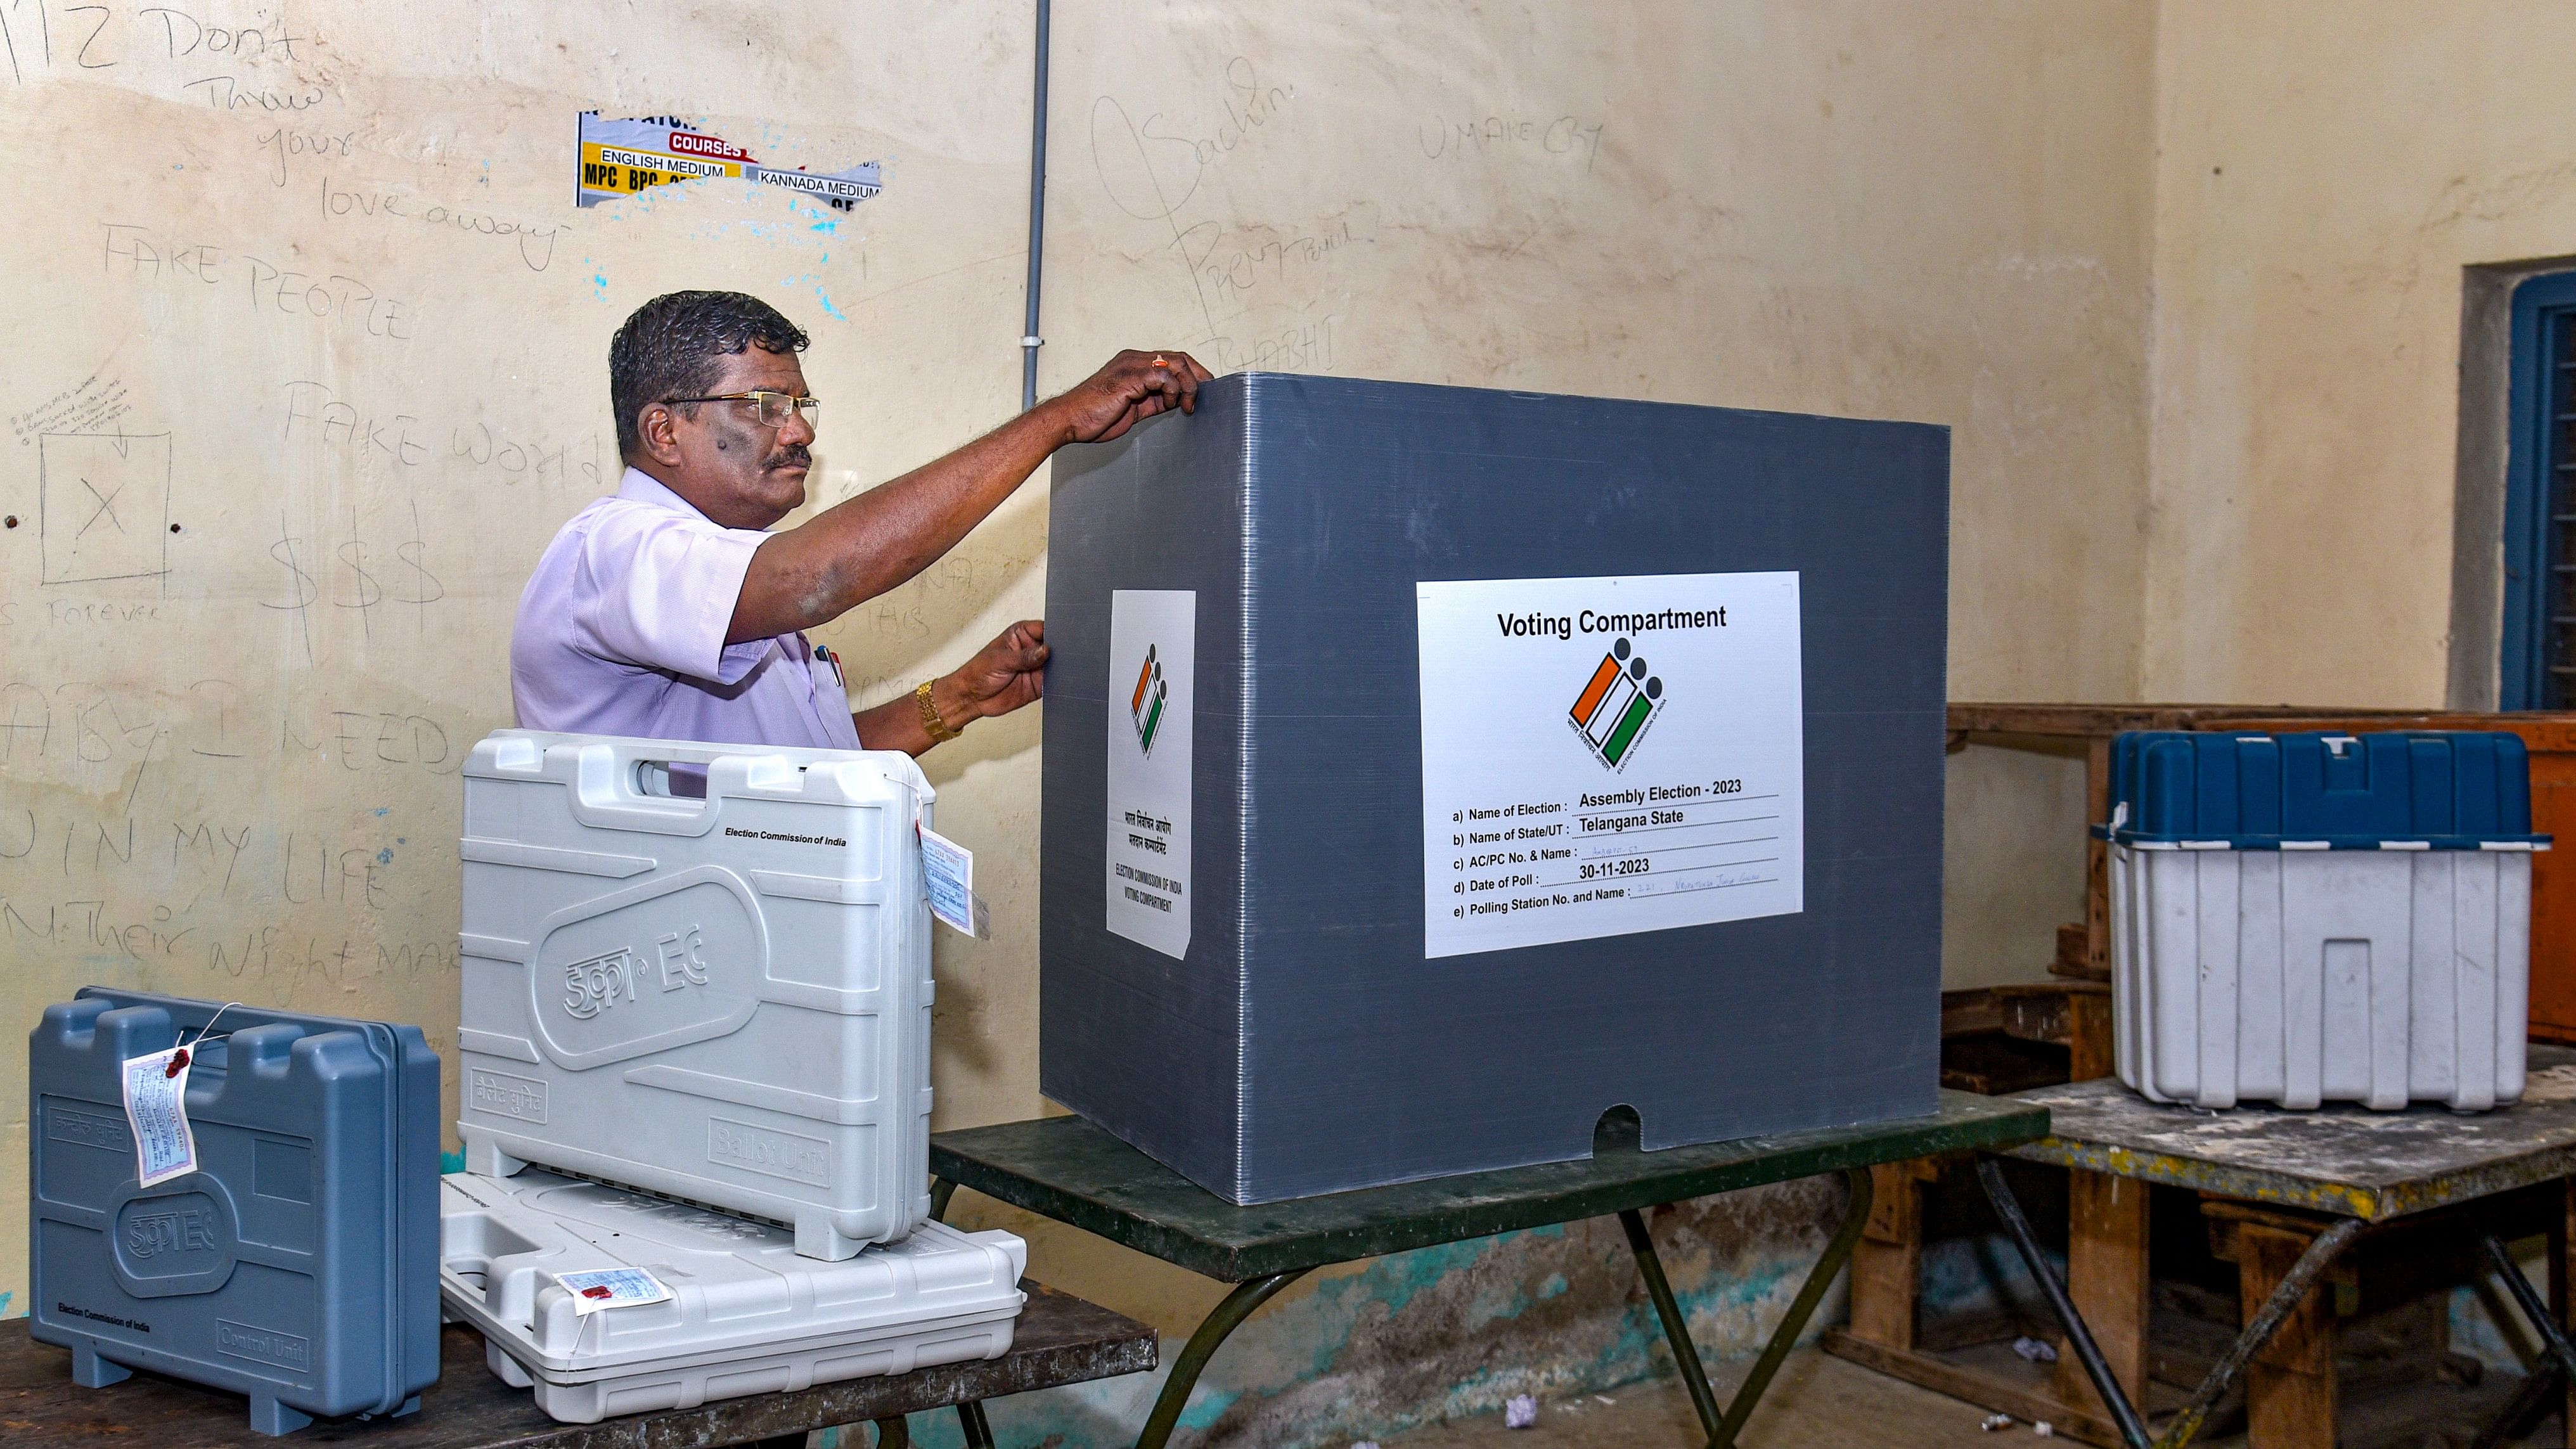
<point x="931" y="723"/>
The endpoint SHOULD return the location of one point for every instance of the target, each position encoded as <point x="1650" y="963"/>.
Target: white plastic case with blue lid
<point x="701" y="970"/>
<point x="2311" y="918"/>
<point x="746" y="1315"/>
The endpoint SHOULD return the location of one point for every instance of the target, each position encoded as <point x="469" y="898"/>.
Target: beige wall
<point x="2341" y="195"/>
<point x="2323" y="176"/>
<point x="236" y="778"/>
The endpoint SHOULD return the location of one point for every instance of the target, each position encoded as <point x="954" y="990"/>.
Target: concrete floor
<point x="1818" y="1402"/>
<point x="1822" y="1402"/>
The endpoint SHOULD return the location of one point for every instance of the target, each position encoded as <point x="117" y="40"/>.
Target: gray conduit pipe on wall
<point x="1030" y="342"/>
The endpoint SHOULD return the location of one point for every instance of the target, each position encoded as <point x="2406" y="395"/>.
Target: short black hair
<point x="673" y="345"/>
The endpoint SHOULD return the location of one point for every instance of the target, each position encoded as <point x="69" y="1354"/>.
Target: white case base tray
<point x="746" y="1315"/>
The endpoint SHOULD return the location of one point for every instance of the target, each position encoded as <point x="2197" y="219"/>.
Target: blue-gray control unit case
<point x="298" y="1265"/>
<point x="1305" y="1044"/>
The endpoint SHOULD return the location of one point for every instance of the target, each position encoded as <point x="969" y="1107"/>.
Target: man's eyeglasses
<point x="774" y="407"/>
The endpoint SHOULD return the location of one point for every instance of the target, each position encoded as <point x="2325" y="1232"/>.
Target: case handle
<point x="610" y="788"/>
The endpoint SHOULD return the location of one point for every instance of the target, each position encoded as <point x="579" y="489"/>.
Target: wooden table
<point x="2290" y="1191"/>
<point x="1060" y="1340"/>
<point x="1067" y="1169"/>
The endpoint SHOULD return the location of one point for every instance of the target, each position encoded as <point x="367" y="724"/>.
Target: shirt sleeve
<point x="662" y="593"/>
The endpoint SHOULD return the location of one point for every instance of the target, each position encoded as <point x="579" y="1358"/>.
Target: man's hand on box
<point x="1002" y="676"/>
<point x="1133" y="387"/>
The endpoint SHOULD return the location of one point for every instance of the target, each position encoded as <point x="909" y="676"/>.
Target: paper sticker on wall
<point x="621" y="158"/>
<point x="1153" y="650"/>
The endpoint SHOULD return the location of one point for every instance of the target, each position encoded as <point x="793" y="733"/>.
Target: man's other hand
<point x="1133" y="387"/>
<point x="1002" y="676"/>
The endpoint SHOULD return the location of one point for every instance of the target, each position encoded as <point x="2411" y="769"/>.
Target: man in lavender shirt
<point x="667" y="611"/>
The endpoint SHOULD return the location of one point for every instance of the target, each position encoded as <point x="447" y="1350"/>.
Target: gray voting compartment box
<point x="1430" y="771"/>
<point x="298" y="1265"/>
<point x="717" y="990"/>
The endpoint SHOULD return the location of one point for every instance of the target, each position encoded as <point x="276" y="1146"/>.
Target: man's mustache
<point x="795" y="457"/>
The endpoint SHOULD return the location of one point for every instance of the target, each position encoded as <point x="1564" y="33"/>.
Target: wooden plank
<point x="2074" y="958"/>
<point x="2097" y="859"/>
<point x="1887" y="1262"/>
<point x="2342" y="1159"/>
<point x="2072" y="1014"/>
<point x="2106" y="1274"/>
<point x="2088" y="1037"/>
<point x="2555" y="729"/>
<point x="1974" y="1009"/>
<point x="2069" y="721"/>
<point x="1060" y="1339"/>
<point x="1995" y="1065"/>
<point x="2090" y="721"/>
<point x="1070" y="1170"/>
<point x="2290" y="1385"/>
<point x="2051" y="1013"/>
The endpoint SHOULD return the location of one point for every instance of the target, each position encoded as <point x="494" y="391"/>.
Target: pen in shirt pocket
<point x="828" y="657"/>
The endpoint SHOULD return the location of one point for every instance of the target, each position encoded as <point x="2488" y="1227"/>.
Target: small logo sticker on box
<point x="769" y="1152"/>
<point x="508" y="1096"/>
<point x="1153" y="653"/>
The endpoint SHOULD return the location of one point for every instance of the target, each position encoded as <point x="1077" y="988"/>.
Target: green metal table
<point x="1069" y="1170"/>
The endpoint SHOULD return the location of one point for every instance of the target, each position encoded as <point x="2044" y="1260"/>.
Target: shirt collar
<point x="639" y="486"/>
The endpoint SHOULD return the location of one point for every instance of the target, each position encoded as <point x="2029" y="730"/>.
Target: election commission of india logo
<point x="1617" y="704"/>
<point x="1147" y="706"/>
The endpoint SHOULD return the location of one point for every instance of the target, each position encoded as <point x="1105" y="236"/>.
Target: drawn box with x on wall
<point x="1430" y="771"/>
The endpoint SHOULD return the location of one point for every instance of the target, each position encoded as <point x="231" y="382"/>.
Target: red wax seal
<point x="596" y="1291"/>
<point x="178" y="1063"/>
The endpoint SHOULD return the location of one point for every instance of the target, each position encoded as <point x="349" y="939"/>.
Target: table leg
<point x="1722" y="1430"/>
<point x="2289" y="1385"/>
<point x="2552" y="1337"/>
<point x="1676" y="1330"/>
<point x="2551" y="1376"/>
<point x="2530" y="1404"/>
<point x="2106" y="1276"/>
<point x="1819" y="1278"/>
<point x="2284" y="1300"/>
<point x="1229" y="1315"/>
<point x="1887" y="1262"/>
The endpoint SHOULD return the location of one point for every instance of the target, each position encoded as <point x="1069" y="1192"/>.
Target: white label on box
<point x="593" y="1289"/>
<point x="1606" y="756"/>
<point x="1153" y="650"/>
<point x="156" y="1105"/>
<point x="948" y="876"/>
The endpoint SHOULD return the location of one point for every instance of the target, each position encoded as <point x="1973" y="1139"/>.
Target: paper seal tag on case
<point x="156" y="1107"/>
<point x="597" y="1288"/>
<point x="948" y="870"/>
